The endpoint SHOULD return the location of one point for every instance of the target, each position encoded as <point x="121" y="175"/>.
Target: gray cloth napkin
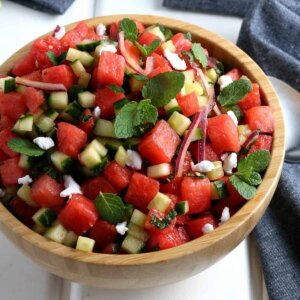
<point x="47" y="6"/>
<point x="270" y="34"/>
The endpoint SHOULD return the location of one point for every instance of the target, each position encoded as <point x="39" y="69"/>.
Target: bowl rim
<point x="244" y="214"/>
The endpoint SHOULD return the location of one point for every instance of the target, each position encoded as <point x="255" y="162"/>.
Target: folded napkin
<point x="270" y="34"/>
<point x="47" y="6"/>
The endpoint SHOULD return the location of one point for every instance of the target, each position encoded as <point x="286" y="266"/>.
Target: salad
<point x="128" y="139"/>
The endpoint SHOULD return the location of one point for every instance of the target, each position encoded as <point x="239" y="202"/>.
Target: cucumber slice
<point x="156" y="31"/>
<point x="179" y="123"/>
<point x="193" y="87"/>
<point x="189" y="75"/>
<point x="132" y="245"/>
<point x="138" y="232"/>
<point x="218" y="190"/>
<point x="202" y="100"/>
<point x="136" y="85"/>
<point x="88" y="45"/>
<point x="61" y="161"/>
<point x="86" y="99"/>
<point x="212" y="75"/>
<point x="169" y="45"/>
<point x="90" y="158"/>
<point x="182" y="207"/>
<point x="57" y="232"/>
<point x="71" y="239"/>
<point x="158" y="171"/>
<point x="138" y="218"/>
<point x="44" y="217"/>
<point x="121" y="156"/>
<point x="24" y="162"/>
<point x="51" y="113"/>
<point x="58" y="100"/>
<point x="23" y="125"/>
<point x="7" y="84"/>
<point x="119" y="104"/>
<point x="113" y="145"/>
<point x="45" y="124"/>
<point x="84" y="80"/>
<point x="217" y="172"/>
<point x="197" y="135"/>
<point x="160" y="202"/>
<point x="85" y="58"/>
<point x="72" y="112"/>
<point x="171" y="107"/>
<point x="244" y="132"/>
<point x="77" y="67"/>
<point x="100" y="149"/>
<point x="104" y="128"/>
<point x="52" y="133"/>
<point x="85" y="244"/>
<point x="24" y="192"/>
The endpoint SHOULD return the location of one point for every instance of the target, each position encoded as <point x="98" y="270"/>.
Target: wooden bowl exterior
<point x="167" y="266"/>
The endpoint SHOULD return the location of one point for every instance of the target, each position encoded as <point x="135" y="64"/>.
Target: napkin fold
<point x="47" y="6"/>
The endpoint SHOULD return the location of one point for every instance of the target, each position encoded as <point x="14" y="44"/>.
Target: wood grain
<point x="163" y="267"/>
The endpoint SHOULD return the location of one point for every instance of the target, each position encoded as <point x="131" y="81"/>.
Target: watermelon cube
<point x="251" y="99"/>
<point x="264" y="142"/>
<point x="260" y="117"/>
<point x="5" y="136"/>
<point x="12" y="105"/>
<point x="10" y="171"/>
<point x="188" y="104"/>
<point x="59" y="74"/>
<point x="195" y="226"/>
<point x="33" y="99"/>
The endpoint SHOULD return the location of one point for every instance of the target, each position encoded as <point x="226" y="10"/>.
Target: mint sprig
<point x="257" y="161"/>
<point x="244" y="189"/>
<point x="234" y="92"/>
<point x="163" y="87"/>
<point x="115" y="88"/>
<point x="165" y="222"/>
<point x="26" y="147"/>
<point x="199" y="54"/>
<point x="130" y="29"/>
<point x="147" y="50"/>
<point x="56" y="60"/>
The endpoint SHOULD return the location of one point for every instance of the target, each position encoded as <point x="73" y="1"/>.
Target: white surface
<point x="237" y="276"/>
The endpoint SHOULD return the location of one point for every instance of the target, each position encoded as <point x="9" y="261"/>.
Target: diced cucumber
<point x="45" y="124"/>
<point x="202" y="100"/>
<point x="77" y="67"/>
<point x="113" y="145"/>
<point x="244" y="132"/>
<point x="168" y="45"/>
<point x="84" y="80"/>
<point x="88" y="45"/>
<point x="58" y="100"/>
<point x="85" y="244"/>
<point x="7" y="84"/>
<point x="104" y="128"/>
<point x="24" y="162"/>
<point x="72" y="112"/>
<point x="136" y="85"/>
<point x="86" y="99"/>
<point x="132" y="143"/>
<point x="193" y="86"/>
<point x="154" y="29"/>
<point x="197" y="135"/>
<point x="218" y="190"/>
<point x="132" y="245"/>
<point x="129" y="208"/>
<point x="182" y="207"/>
<point x="217" y="172"/>
<point x="90" y="158"/>
<point x="179" y="123"/>
<point x="61" y="161"/>
<point x="24" y="192"/>
<point x="71" y="239"/>
<point x="212" y="75"/>
<point x="73" y="92"/>
<point x="37" y="114"/>
<point x="44" y="217"/>
<point x="172" y="106"/>
<point x="138" y="232"/>
<point x="160" y="202"/>
<point x="57" y="232"/>
<point x="189" y="75"/>
<point x="52" y="133"/>
<point x="119" y="104"/>
<point x="158" y="171"/>
<point x="85" y="58"/>
<point x="24" y="124"/>
<point x="138" y="218"/>
<point x="51" y="113"/>
<point x="121" y="156"/>
<point x="100" y="149"/>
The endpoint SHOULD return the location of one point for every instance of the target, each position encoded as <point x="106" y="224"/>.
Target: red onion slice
<point x="202" y="142"/>
<point x="252" y="138"/>
<point x="185" y="145"/>
<point x="149" y="65"/>
<point x="41" y="85"/>
<point x="212" y="62"/>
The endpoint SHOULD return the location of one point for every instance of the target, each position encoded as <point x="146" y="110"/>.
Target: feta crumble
<point x="176" y="62"/>
<point x="44" y="143"/>
<point x="101" y="29"/>
<point x="25" y="180"/>
<point x="203" y="166"/>
<point x="108" y="48"/>
<point x="60" y="33"/>
<point x="207" y="228"/>
<point x="230" y="163"/>
<point x="232" y="115"/>
<point x="97" y="112"/>
<point x="122" y="228"/>
<point x="225" y="215"/>
<point x="224" y="80"/>
<point x="134" y="160"/>
<point x="71" y="187"/>
<point x="2" y="193"/>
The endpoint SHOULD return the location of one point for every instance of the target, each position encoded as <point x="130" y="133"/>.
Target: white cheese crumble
<point x="122" y="228"/>
<point x="25" y="180"/>
<point x="2" y="193"/>
<point x="207" y="228"/>
<point x="101" y="29"/>
<point x="176" y="62"/>
<point x="224" y="80"/>
<point x="108" y="48"/>
<point x="44" y="143"/>
<point x="134" y="160"/>
<point x="225" y="215"/>
<point x="71" y="187"/>
<point x="230" y="163"/>
<point x="232" y="115"/>
<point x="97" y="112"/>
<point x="203" y="166"/>
<point x="60" y="33"/>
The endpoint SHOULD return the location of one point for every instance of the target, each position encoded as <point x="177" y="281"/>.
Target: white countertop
<point x="237" y="276"/>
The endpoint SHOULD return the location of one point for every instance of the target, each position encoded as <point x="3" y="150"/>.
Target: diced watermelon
<point x="233" y="198"/>
<point x="172" y="187"/>
<point x="264" y="142"/>
<point x="159" y="60"/>
<point x="10" y="171"/>
<point x="235" y="74"/>
<point x="223" y="134"/>
<point x="34" y="76"/>
<point x="188" y="104"/>
<point x="151" y="227"/>
<point x="103" y="233"/>
<point x="182" y="219"/>
<point x="260" y="117"/>
<point x="187" y="163"/>
<point x="113" y="31"/>
<point x="87" y="126"/>
<point x="139" y="26"/>
<point x="45" y="191"/>
<point x="33" y="99"/>
<point x="222" y="203"/>
<point x="181" y="43"/>
<point x="118" y="176"/>
<point x="159" y="70"/>
<point x="24" y="65"/>
<point x="111" y="68"/>
<point x="5" y="136"/>
<point x="141" y="190"/>
<point x="146" y="38"/>
<point x="6" y="122"/>
<point x="210" y="154"/>
<point x="3" y="156"/>
<point x="133" y="51"/>
<point x="92" y="187"/>
<point x="105" y="99"/>
<point x="92" y="35"/>
<point x="195" y="226"/>
<point x="159" y="145"/>
<point x="12" y="105"/>
<point x="251" y="99"/>
<point x="183" y="234"/>
<point x="59" y="74"/>
<point x="112" y="248"/>
<point x="79" y="214"/>
<point x="70" y="139"/>
<point x="174" y="200"/>
<point x="197" y="192"/>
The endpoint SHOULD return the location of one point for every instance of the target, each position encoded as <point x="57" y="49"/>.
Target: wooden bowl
<point x="158" y="268"/>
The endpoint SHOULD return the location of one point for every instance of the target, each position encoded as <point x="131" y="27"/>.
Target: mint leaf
<point x="140" y="77"/>
<point x="147" y="50"/>
<point x="165" y="222"/>
<point x="253" y="178"/>
<point x="130" y="29"/>
<point x="56" y="60"/>
<point x="189" y="55"/>
<point x="221" y="69"/>
<point x="244" y="189"/>
<point x="115" y="88"/>
<point x="237" y="111"/>
<point x="234" y="92"/>
<point x="168" y="34"/>
<point x="257" y="161"/>
<point x="145" y="113"/>
<point x="199" y="54"/>
<point x="188" y="36"/>
<point x="26" y="147"/>
<point x="110" y="207"/>
<point x="163" y="87"/>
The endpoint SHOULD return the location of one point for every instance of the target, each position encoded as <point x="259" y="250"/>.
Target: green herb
<point x="56" y="60"/>
<point x="132" y="116"/>
<point x="236" y="110"/>
<point x="168" y="34"/>
<point x="73" y="92"/>
<point x="100" y="167"/>
<point x="130" y="29"/>
<point x="234" y="92"/>
<point x="165" y="222"/>
<point x="85" y="118"/>
<point x="163" y="87"/>
<point x="253" y="178"/>
<point x="26" y="147"/>
<point x="220" y="67"/>
<point x="140" y="77"/>
<point x="244" y="189"/>
<point x="199" y="54"/>
<point x="188" y="36"/>
<point x="189" y="55"/>
<point x="257" y="161"/>
<point x="147" y="50"/>
<point x="115" y="88"/>
<point x="221" y="187"/>
<point x="110" y="207"/>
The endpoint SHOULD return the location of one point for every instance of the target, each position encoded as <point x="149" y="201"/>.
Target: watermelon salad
<point x="126" y="139"/>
